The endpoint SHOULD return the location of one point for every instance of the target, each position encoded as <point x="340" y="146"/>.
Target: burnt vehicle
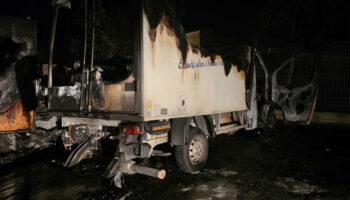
<point x="162" y="90"/>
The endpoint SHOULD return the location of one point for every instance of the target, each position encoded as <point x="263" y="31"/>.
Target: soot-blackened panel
<point x="155" y="9"/>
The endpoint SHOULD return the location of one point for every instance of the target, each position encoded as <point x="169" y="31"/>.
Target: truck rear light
<point x="132" y="130"/>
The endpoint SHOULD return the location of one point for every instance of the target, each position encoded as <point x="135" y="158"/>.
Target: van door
<point x="296" y="101"/>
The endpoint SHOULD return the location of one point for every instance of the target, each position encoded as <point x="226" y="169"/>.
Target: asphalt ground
<point x="291" y="162"/>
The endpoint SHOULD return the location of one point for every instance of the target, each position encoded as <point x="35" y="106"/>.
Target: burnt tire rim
<point x="196" y="150"/>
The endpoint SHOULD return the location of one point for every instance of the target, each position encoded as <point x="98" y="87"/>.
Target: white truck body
<point x="172" y="88"/>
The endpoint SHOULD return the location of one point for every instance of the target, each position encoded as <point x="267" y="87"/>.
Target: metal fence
<point x="332" y="62"/>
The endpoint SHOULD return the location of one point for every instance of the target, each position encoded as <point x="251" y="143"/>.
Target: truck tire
<point x="192" y="156"/>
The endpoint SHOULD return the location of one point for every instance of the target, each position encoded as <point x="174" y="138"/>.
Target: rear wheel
<point x="193" y="156"/>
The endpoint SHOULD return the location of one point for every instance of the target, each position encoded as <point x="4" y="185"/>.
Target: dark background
<point x="273" y="23"/>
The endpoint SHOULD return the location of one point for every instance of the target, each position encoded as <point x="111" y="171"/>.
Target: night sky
<point x="273" y="23"/>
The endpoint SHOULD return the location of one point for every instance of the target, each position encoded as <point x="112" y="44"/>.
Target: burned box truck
<point x="164" y="89"/>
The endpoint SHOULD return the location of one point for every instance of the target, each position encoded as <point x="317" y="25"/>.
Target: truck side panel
<point x="178" y="84"/>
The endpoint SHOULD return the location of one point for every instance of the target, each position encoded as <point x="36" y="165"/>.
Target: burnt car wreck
<point x="160" y="89"/>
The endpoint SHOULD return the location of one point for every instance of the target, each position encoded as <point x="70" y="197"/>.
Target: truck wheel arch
<point x="180" y="128"/>
<point x="193" y="156"/>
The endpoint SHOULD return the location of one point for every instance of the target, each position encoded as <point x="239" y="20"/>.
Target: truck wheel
<point x="193" y="156"/>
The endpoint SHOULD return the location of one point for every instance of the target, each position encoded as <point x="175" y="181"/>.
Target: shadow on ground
<point x="292" y="162"/>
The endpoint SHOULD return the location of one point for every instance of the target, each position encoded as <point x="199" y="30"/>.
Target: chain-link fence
<point x="332" y="62"/>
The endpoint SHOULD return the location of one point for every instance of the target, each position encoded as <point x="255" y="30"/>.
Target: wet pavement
<point x="293" y="162"/>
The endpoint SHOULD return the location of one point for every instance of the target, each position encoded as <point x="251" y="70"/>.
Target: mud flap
<point x="121" y="162"/>
<point x="80" y="153"/>
<point x="179" y="130"/>
<point x="87" y="141"/>
<point x="297" y="103"/>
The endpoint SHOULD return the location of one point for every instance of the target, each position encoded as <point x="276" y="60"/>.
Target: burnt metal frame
<point x="275" y="88"/>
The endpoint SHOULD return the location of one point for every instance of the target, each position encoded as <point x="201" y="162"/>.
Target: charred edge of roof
<point x="239" y="60"/>
<point x="205" y="53"/>
<point x="231" y="60"/>
<point x="155" y="9"/>
<point x="195" y="48"/>
<point x="228" y="60"/>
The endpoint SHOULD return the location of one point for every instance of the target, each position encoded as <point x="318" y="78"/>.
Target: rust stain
<point x="115" y="97"/>
<point x="153" y="35"/>
<point x="242" y="74"/>
<point x="162" y="26"/>
<point x="226" y="117"/>
<point x="109" y="98"/>
<point x="196" y="75"/>
<point x="153" y="51"/>
<point x="16" y="118"/>
<point x="234" y="69"/>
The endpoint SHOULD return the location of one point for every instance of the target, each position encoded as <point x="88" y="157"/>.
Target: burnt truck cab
<point x="165" y="89"/>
